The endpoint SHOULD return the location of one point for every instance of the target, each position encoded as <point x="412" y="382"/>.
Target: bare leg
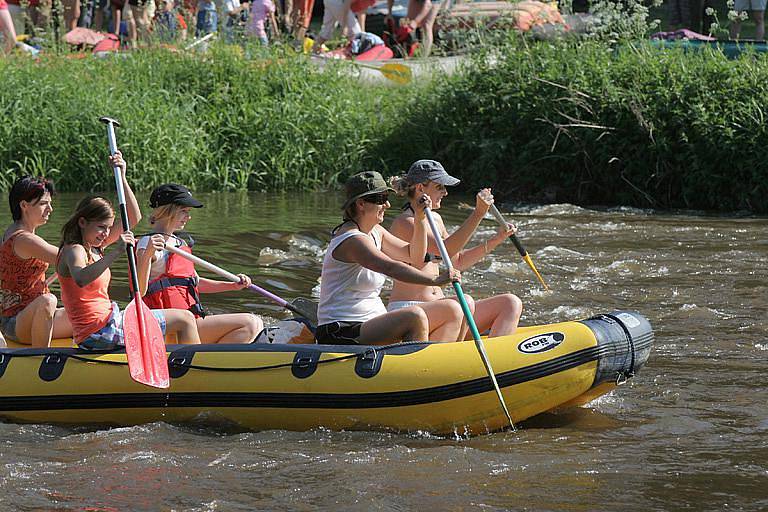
<point x="182" y="324"/>
<point x="428" y="29"/>
<point x="361" y="20"/>
<point x="116" y="14"/>
<point x="500" y="314"/>
<point x="71" y="13"/>
<point x="402" y="325"/>
<point x="62" y="327"/>
<point x="34" y="324"/>
<point x="229" y="328"/>
<point x="735" y="29"/>
<point x="759" y="17"/>
<point x="446" y="320"/>
<point x="98" y="19"/>
<point x="9" y="34"/>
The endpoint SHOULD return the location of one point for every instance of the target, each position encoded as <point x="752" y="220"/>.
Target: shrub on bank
<point x="216" y="122"/>
<point x="590" y="124"/>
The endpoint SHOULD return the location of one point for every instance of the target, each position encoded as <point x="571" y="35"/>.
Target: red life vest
<point x="177" y="287"/>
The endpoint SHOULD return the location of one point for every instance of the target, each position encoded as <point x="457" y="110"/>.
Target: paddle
<point x="523" y="253"/>
<point x="468" y="314"/>
<point x="144" y="342"/>
<point x="302" y="307"/>
<point x="398" y="73"/>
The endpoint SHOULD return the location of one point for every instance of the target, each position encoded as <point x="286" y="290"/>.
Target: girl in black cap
<point x="168" y="280"/>
<point x="359" y="257"/>
<point x="499" y="314"/>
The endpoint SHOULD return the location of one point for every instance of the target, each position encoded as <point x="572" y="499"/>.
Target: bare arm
<point x="414" y="251"/>
<point x="145" y="256"/>
<point x="29" y="245"/>
<point x="131" y="204"/>
<point x="458" y="240"/>
<point x="74" y="263"/>
<point x="211" y="286"/>
<point x="361" y="250"/>
<point x="469" y="257"/>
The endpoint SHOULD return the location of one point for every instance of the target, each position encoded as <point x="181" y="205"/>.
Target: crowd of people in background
<point x="138" y="23"/>
<point x="141" y="22"/>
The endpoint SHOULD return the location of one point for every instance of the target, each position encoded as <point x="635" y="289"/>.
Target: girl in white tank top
<point x="358" y="258"/>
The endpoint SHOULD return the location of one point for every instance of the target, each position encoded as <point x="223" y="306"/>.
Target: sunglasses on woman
<point x="380" y="198"/>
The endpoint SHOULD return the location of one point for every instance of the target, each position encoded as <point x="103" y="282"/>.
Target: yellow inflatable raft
<point x="435" y="387"/>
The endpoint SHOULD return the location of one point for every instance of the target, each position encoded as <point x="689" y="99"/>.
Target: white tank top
<point x="349" y="292"/>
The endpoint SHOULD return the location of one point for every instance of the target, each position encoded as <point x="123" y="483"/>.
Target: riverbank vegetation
<point x="588" y="121"/>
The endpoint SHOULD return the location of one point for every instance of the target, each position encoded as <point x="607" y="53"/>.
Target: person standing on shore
<point x="756" y="9"/>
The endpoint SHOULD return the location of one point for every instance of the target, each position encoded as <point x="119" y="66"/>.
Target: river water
<point x="690" y="431"/>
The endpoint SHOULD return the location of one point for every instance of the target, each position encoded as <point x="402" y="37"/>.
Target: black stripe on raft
<point x="300" y="400"/>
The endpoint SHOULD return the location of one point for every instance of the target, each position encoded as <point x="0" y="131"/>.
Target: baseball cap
<point x="430" y="170"/>
<point x="171" y="193"/>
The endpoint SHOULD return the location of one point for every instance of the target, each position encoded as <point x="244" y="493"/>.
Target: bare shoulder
<point x="402" y="225"/>
<point x="30" y="245"/>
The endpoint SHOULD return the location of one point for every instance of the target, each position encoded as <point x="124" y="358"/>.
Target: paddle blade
<point x="398" y="73"/>
<point x="529" y="261"/>
<point x="304" y="308"/>
<point x="145" y="346"/>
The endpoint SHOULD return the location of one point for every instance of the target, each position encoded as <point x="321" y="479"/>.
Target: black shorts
<point x="339" y="333"/>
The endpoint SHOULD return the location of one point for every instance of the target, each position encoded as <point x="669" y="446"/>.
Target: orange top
<point x="21" y="281"/>
<point x="89" y="307"/>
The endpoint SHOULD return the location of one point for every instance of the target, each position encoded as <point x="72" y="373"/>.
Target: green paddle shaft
<point x="468" y="314"/>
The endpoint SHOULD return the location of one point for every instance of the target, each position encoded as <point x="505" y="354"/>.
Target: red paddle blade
<point x="145" y="346"/>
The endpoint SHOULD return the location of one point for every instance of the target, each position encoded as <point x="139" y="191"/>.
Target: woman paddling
<point x="499" y="314"/>
<point x="360" y="256"/>
<point x="28" y="312"/>
<point x="171" y="281"/>
<point x="84" y="274"/>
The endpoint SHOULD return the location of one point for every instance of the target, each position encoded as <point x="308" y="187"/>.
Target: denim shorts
<point x="112" y="335"/>
<point x="207" y="23"/>
<point x="8" y="327"/>
<point x="749" y="5"/>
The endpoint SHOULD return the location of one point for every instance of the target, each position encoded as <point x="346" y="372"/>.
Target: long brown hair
<point x="91" y="208"/>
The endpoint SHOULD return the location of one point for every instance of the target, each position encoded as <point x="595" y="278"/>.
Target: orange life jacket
<point x="177" y="287"/>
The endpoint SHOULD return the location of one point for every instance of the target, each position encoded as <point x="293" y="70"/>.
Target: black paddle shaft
<point x="130" y="249"/>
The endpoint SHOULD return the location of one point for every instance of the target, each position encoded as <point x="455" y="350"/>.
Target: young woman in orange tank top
<point x="84" y="273"/>
<point x="28" y="311"/>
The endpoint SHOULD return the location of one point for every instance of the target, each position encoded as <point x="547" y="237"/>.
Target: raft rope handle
<point x="181" y="364"/>
<point x="631" y="372"/>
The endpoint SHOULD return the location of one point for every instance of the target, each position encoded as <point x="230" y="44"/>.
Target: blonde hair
<point x="167" y="210"/>
<point x="403" y="185"/>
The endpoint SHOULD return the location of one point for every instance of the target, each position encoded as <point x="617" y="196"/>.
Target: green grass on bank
<point x="216" y="122"/>
<point x="580" y="121"/>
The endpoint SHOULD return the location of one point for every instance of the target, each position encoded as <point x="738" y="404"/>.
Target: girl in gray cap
<point x="499" y="314"/>
<point x="360" y="256"/>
